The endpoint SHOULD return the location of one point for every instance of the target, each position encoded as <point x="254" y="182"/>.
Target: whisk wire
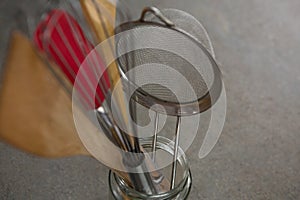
<point x="69" y="69"/>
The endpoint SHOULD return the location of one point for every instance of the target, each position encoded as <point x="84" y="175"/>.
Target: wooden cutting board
<point x="35" y="110"/>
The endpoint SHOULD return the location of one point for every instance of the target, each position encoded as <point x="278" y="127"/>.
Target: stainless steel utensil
<point x="62" y="39"/>
<point x="170" y="40"/>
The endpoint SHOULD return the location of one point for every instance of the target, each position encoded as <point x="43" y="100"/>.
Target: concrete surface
<point x="258" y="154"/>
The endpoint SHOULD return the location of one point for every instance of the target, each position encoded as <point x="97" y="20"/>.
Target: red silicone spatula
<point x="60" y="36"/>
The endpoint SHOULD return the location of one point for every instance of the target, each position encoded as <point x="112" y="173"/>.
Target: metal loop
<point x="158" y="14"/>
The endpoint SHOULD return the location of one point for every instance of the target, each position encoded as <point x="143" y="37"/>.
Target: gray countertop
<point x="257" y="156"/>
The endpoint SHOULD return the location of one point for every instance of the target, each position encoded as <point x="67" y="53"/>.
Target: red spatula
<point x="60" y="36"/>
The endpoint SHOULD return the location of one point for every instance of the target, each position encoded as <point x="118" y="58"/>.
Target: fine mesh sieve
<point x="178" y="71"/>
<point x="171" y="64"/>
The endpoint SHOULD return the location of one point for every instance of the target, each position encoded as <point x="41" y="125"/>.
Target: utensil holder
<point x="119" y="190"/>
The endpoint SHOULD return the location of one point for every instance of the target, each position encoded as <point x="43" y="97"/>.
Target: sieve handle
<point x="158" y="14"/>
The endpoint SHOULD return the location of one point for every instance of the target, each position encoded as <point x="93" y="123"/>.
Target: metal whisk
<point x="61" y="38"/>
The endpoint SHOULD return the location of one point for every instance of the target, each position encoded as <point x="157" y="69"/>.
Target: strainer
<point x="192" y="61"/>
<point x="167" y="60"/>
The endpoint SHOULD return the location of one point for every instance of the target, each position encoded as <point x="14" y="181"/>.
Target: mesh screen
<point x="165" y="86"/>
<point x="162" y="51"/>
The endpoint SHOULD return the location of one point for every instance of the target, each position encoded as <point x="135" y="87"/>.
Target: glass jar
<point x="119" y="190"/>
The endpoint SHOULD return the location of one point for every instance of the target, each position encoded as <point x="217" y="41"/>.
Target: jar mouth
<point x="166" y="145"/>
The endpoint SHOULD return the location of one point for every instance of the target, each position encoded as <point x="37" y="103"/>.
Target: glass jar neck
<point x="120" y="190"/>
